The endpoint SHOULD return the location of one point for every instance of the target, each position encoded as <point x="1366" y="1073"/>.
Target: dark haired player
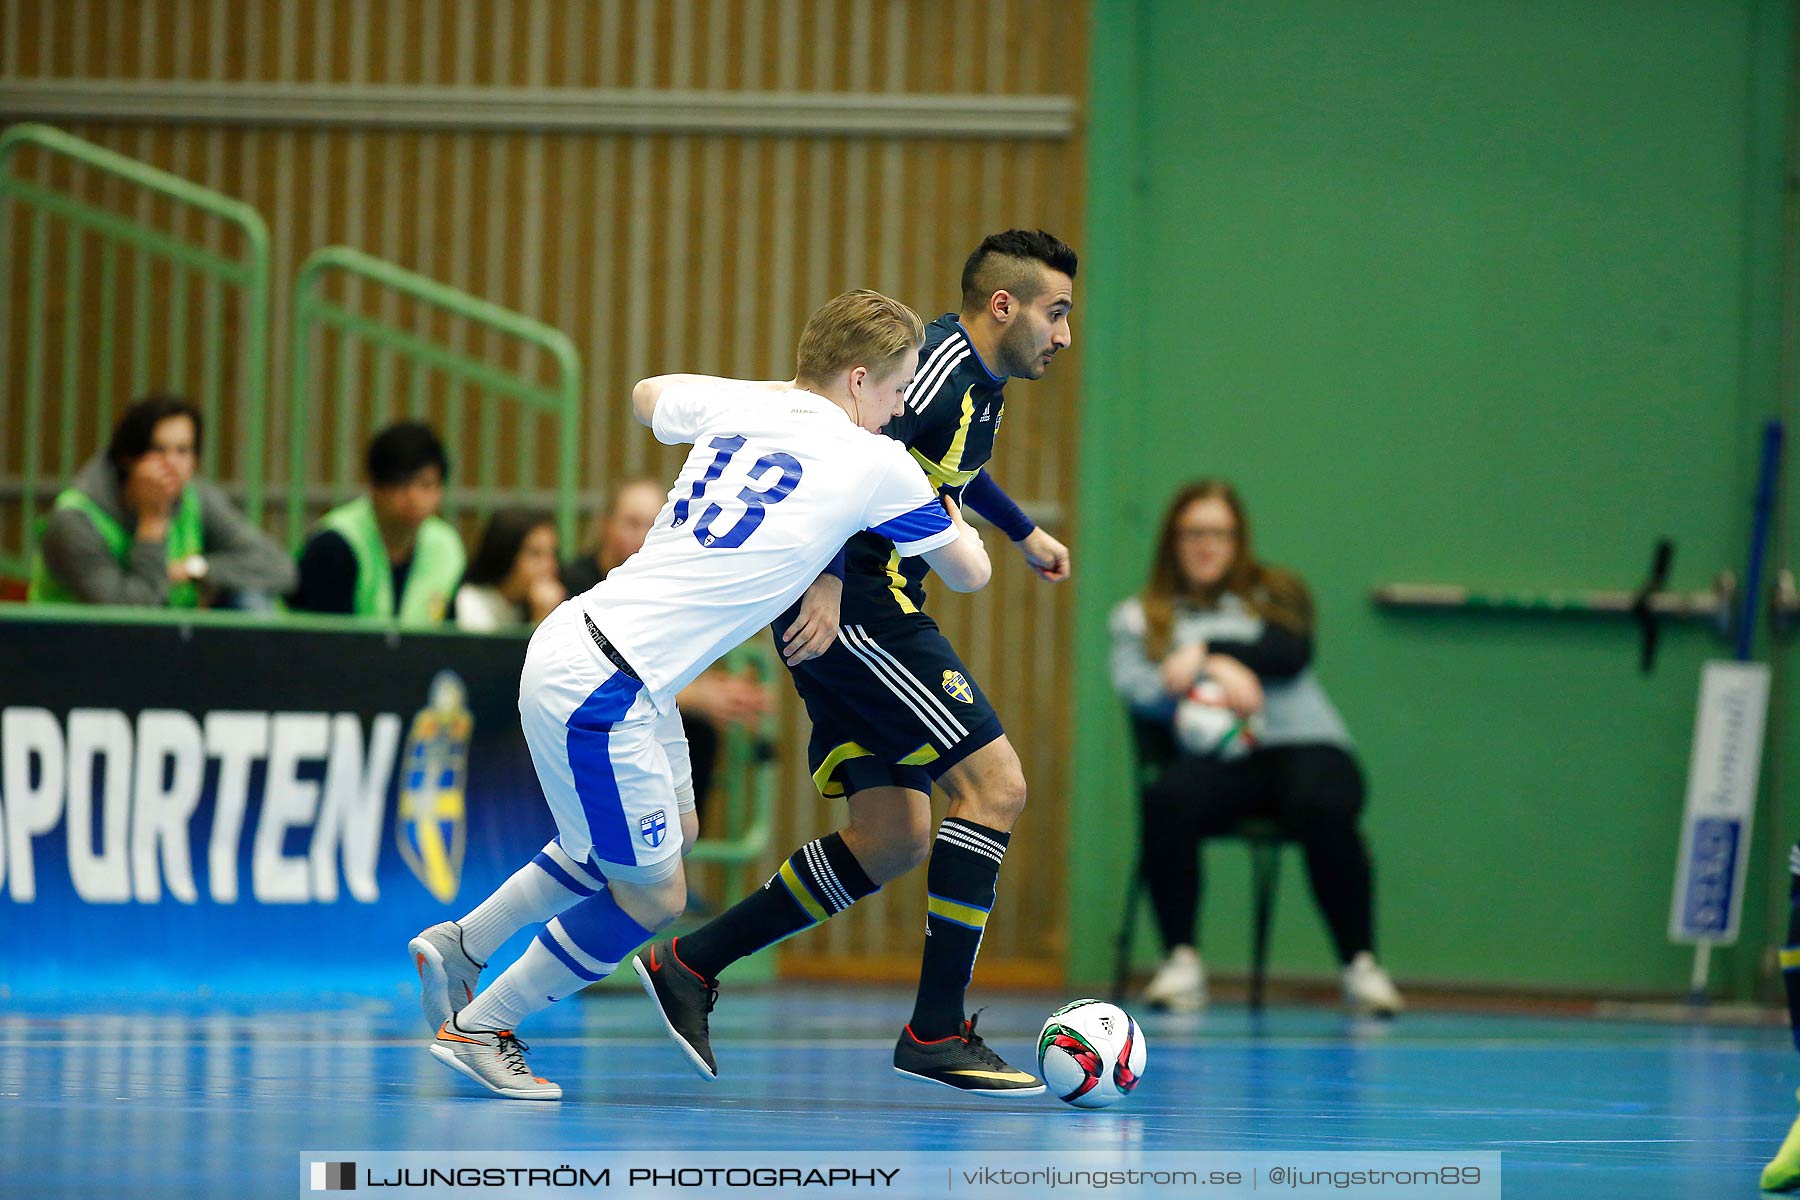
<point x="893" y="708"/>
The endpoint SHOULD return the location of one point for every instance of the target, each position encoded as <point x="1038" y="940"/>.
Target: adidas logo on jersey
<point x="987" y="412"/>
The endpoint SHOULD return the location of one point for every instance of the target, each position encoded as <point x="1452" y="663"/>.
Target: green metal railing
<point x="89" y="335"/>
<point x="391" y="345"/>
<point x="749" y="775"/>
<point x="749" y="780"/>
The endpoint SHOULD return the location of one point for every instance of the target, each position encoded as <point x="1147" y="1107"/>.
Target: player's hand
<point x="726" y="699"/>
<point x="963" y="528"/>
<point x="151" y="491"/>
<point x="957" y="519"/>
<point x="1243" y="690"/>
<point x="544" y="596"/>
<point x="816" y="626"/>
<point x="1047" y="556"/>
<point x="1183" y="666"/>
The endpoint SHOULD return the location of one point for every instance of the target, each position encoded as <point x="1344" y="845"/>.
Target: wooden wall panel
<point x="659" y="252"/>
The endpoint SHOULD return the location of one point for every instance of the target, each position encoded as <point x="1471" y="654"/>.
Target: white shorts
<point x="616" y="774"/>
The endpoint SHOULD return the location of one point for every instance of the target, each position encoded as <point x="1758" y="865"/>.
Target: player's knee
<point x="654" y="905"/>
<point x="889" y="848"/>
<point x="907" y="846"/>
<point x="1006" y="794"/>
<point x="988" y="788"/>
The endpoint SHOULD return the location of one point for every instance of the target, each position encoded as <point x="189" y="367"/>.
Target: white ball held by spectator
<point x="1206" y="725"/>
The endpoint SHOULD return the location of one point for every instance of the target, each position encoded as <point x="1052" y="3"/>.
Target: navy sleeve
<point x="984" y="496"/>
<point x="1278" y="654"/>
<point x="836" y="566"/>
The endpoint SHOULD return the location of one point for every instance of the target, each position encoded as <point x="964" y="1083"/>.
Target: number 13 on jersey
<point x="783" y="467"/>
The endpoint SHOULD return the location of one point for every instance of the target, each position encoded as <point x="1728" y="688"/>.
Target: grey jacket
<point x="1295" y="711"/>
<point x="239" y="557"/>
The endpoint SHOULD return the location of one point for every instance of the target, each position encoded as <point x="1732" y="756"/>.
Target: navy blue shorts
<point x="891" y="706"/>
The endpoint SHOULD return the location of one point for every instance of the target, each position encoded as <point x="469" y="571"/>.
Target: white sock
<point x="536" y="892"/>
<point x="538" y="980"/>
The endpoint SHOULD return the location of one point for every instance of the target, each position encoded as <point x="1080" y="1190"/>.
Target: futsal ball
<point x="1091" y="1053"/>
<point x="1205" y="725"/>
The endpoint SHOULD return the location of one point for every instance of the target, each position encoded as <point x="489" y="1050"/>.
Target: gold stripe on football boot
<point x="962" y="1061"/>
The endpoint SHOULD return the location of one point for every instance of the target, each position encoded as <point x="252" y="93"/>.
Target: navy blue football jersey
<point x="952" y="412"/>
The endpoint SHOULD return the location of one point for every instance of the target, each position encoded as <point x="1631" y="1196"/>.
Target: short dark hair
<point x="1002" y="264"/>
<point x="506" y="532"/>
<point x="404" y="449"/>
<point x="131" y="436"/>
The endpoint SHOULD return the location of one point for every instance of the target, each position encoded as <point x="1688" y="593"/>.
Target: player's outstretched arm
<point x="963" y="564"/>
<point x="1045" y="555"/>
<point x="648" y="391"/>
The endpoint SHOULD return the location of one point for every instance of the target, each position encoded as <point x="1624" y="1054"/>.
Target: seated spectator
<point x="136" y="527"/>
<point x="1211" y="609"/>
<point x="618" y="534"/>
<point x="717" y="699"/>
<point x="511" y="584"/>
<point x="387" y="555"/>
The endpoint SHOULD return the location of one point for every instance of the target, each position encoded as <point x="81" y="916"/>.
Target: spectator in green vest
<point x="387" y="555"/>
<point x="137" y="528"/>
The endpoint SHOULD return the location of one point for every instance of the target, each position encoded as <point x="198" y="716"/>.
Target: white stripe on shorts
<point x="907" y="689"/>
<point x="931" y="697"/>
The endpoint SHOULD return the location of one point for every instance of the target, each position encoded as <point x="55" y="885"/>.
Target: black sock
<point x="961" y="879"/>
<point x="820" y="880"/>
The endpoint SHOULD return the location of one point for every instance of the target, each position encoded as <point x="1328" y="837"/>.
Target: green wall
<point x="1482" y="294"/>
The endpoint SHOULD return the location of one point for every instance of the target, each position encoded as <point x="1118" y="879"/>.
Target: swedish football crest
<point x="958" y="687"/>
<point x="430" y="821"/>
<point x="653" y="828"/>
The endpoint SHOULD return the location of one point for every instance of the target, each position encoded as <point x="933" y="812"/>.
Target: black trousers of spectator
<point x="1313" y="793"/>
<point x="703" y="753"/>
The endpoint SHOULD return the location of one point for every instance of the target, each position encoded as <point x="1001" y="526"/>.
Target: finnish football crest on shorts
<point x="958" y="687"/>
<point x="653" y="828"/>
<point x="430" y="821"/>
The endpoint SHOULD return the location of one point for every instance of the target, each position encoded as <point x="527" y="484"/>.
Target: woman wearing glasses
<point x="1214" y="629"/>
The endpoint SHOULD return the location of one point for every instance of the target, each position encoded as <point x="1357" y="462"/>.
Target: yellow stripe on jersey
<point x="962" y="914"/>
<point x="950" y="473"/>
<point x="1790" y="957"/>
<point x="801" y="896"/>
<point x="897" y="582"/>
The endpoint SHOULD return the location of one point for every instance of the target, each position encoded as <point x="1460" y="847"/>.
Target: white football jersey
<point x="776" y="483"/>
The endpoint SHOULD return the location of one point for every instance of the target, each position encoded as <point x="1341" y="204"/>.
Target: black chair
<point x="1153" y="745"/>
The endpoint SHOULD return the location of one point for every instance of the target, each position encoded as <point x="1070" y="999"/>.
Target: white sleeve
<point x="905" y="508"/>
<point x="684" y="409"/>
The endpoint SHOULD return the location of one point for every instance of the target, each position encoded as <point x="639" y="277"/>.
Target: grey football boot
<point x="447" y="975"/>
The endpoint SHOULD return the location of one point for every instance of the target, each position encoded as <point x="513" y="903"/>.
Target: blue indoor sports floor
<point x="201" y="1099"/>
